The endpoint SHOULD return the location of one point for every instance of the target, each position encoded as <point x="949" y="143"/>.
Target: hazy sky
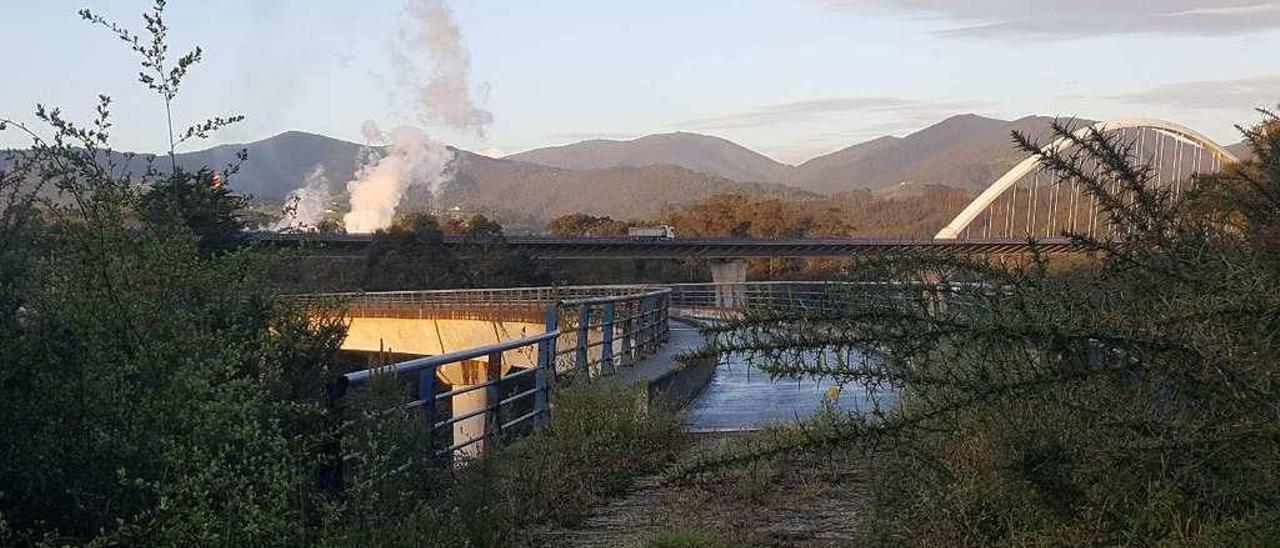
<point x="789" y="78"/>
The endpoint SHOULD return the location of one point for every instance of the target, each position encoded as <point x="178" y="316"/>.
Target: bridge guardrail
<point x="728" y="299"/>
<point x="424" y="372"/>
<point x="628" y="327"/>
<point x="464" y="298"/>
<point x="588" y="336"/>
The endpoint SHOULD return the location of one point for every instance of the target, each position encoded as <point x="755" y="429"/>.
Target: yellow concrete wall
<point x="433" y="337"/>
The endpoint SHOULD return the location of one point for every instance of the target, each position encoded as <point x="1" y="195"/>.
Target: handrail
<point x="600" y="330"/>
<point x="619" y="298"/>
<point x="356" y="378"/>
<point x="473" y="290"/>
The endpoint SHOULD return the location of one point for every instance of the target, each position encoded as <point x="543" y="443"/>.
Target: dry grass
<point x="810" y="500"/>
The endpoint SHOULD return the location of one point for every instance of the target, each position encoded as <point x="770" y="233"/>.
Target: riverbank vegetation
<point x="1131" y="401"/>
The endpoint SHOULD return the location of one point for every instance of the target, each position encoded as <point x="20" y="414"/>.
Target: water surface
<point x="742" y="397"/>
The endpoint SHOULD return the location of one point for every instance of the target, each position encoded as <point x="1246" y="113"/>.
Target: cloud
<point x="1261" y="91"/>
<point x="798" y="111"/>
<point x="1080" y="18"/>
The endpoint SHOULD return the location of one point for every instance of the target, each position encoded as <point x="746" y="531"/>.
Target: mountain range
<point x="961" y="151"/>
<point x="647" y="176"/>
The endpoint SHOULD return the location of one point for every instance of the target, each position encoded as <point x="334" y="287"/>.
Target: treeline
<point x="861" y="213"/>
<point x="853" y="214"/>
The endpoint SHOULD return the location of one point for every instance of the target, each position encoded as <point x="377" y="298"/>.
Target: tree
<point x="581" y="224"/>
<point x="150" y="393"/>
<point x="200" y="203"/>
<point x="411" y="255"/>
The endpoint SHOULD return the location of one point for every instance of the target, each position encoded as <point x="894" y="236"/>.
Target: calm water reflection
<point x="741" y="396"/>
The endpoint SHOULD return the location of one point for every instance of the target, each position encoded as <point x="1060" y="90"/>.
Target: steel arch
<point x="1009" y="179"/>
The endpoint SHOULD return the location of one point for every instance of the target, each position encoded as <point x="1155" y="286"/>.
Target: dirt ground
<point x="806" y="501"/>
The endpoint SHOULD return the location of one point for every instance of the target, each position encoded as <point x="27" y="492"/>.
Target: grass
<point x="685" y="538"/>
<point x="601" y="437"/>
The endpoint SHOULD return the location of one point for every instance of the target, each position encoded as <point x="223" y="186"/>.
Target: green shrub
<point x="1128" y="401"/>
<point x="601" y="437"/>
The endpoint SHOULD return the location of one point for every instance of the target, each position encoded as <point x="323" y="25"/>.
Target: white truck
<point x="660" y="232"/>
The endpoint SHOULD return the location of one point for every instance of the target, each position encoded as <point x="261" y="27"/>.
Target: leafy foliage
<point x="198" y="203"/>
<point x="599" y="439"/>
<point x="412" y="255"/>
<point x="581" y="224"/>
<point x="1127" y="402"/>
<point x="151" y="393"/>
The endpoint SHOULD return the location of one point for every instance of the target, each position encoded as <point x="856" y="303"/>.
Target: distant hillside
<point x="648" y="176"/>
<point x="1241" y="150"/>
<point x="523" y="193"/>
<point x="966" y="151"/>
<point x="522" y="189"/>
<point x="279" y="164"/>
<point x="692" y="151"/>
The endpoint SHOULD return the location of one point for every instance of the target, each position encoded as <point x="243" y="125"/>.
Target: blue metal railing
<point x="600" y="333"/>
<point x="426" y="371"/>
<point x="718" y="299"/>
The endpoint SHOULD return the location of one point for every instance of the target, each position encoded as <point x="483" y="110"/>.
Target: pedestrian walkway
<point x="684" y="337"/>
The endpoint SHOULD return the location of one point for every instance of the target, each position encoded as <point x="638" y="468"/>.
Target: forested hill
<point x="695" y="152"/>
<point x="645" y="177"/>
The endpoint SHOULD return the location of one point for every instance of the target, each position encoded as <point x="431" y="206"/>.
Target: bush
<point x="1130" y="400"/>
<point x="153" y="389"/>
<point x="600" y="438"/>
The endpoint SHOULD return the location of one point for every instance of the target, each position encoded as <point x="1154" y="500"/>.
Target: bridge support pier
<point x="729" y="275"/>
<point x="460" y="375"/>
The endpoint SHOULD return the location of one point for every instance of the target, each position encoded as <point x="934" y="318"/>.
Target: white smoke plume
<point x="430" y="36"/>
<point x="431" y="60"/>
<point x="411" y="160"/>
<point x="306" y="206"/>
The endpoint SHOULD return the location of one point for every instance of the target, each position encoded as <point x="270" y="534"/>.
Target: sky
<point x="791" y="79"/>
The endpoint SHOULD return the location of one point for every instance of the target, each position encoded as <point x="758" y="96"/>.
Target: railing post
<point x="628" y="336"/>
<point x="552" y="322"/>
<point x="542" y="383"/>
<point x="606" y="339"/>
<point x="642" y="335"/>
<point x="584" y="321"/>
<point x="427" y="393"/>
<point x="493" y="399"/>
<point x="651" y="324"/>
<point x="666" y="317"/>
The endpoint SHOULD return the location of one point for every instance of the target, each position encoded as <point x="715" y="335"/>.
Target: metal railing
<point x="599" y="334"/>
<point x="718" y="299"/>
<point x="729" y="299"/>
<point x="591" y="335"/>
<point x="498" y="399"/>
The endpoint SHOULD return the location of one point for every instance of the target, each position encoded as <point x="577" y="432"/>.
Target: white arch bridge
<point x="1029" y="202"/>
